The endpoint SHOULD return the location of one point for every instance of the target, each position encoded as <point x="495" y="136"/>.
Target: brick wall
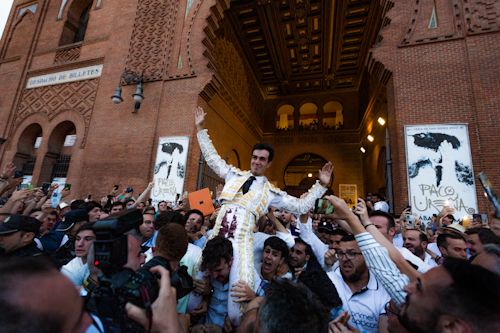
<point x="440" y="79"/>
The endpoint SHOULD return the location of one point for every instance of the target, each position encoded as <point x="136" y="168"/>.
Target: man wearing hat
<point x="68" y="228"/>
<point x="17" y="233"/>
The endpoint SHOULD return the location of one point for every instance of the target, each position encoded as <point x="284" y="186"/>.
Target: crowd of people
<point x="262" y="262"/>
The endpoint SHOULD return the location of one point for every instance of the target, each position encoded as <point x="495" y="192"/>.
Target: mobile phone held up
<point x="490" y="193"/>
<point x="410" y="220"/>
<point x="323" y="206"/>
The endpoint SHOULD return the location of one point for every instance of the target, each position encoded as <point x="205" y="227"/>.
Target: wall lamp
<point x="129" y="78"/>
<point x="370" y="138"/>
<point x="363" y="150"/>
<point x="381" y="121"/>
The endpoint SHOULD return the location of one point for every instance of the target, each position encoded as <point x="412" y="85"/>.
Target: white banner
<point x="78" y="74"/>
<point x="440" y="170"/>
<point x="170" y="169"/>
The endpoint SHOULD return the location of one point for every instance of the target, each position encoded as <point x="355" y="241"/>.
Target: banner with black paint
<point x="439" y="162"/>
<point x="170" y="169"/>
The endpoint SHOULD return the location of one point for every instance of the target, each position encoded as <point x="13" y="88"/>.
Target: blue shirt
<point x="217" y="307"/>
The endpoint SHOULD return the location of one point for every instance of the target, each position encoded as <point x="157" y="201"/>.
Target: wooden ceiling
<point x="302" y="46"/>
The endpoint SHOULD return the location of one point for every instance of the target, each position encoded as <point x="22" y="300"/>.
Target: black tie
<point x="247" y="184"/>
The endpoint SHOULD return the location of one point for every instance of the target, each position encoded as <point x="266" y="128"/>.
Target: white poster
<point x="440" y="170"/>
<point x="170" y="169"/>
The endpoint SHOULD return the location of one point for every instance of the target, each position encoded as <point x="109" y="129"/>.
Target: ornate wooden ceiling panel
<point x="298" y="46"/>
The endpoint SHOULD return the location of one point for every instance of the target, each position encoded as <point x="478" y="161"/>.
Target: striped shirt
<point x="382" y="267"/>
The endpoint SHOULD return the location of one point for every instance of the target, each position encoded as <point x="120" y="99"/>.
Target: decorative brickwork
<point x="67" y="54"/>
<point x="151" y="42"/>
<point x="482" y="15"/>
<point x="52" y="100"/>
<point x="449" y="20"/>
<point x="181" y="64"/>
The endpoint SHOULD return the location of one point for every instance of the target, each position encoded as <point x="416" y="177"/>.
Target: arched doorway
<point x="27" y="149"/>
<point x="57" y="160"/>
<point x="302" y="172"/>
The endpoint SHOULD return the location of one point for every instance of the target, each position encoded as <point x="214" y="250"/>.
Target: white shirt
<point x="318" y="247"/>
<point x="434" y="248"/>
<point x="190" y="260"/>
<point x="429" y="261"/>
<point x="365" y="306"/>
<point x="422" y="267"/>
<point x="397" y="241"/>
<point x="380" y="264"/>
<point x="77" y="272"/>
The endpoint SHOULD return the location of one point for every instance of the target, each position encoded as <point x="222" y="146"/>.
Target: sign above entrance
<point x="78" y="74"/>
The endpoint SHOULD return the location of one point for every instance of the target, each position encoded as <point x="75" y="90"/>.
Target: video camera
<point x="119" y="285"/>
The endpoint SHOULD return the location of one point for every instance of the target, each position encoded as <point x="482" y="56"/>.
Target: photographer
<point x="115" y="259"/>
<point x="164" y="317"/>
<point x="117" y="277"/>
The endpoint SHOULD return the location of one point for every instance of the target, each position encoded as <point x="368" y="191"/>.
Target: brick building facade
<point x="409" y="62"/>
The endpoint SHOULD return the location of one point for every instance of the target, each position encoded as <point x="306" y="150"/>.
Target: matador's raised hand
<point x="199" y="117"/>
<point x="325" y="174"/>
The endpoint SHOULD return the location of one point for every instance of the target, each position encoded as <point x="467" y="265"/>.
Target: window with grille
<point x="29" y="165"/>
<point x="61" y="167"/>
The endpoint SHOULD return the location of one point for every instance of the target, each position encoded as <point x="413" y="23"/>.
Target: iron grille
<point x="61" y="167"/>
<point x="29" y="165"/>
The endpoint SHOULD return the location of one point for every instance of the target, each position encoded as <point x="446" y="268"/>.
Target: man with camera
<point x="115" y="258"/>
<point x="118" y="278"/>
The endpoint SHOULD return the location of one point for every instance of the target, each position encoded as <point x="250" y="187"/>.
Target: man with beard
<point x="416" y="241"/>
<point x="385" y="223"/>
<point x="363" y="297"/>
<point x="306" y="269"/>
<point x="454" y="297"/>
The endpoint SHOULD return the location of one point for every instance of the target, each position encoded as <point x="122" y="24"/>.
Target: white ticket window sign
<point x="439" y="170"/>
<point x="170" y="169"/>
<point x="70" y="140"/>
<point x="78" y="74"/>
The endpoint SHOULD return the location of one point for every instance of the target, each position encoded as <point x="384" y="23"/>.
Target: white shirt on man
<point x="422" y="267"/>
<point x="77" y="271"/>
<point x="364" y="306"/>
